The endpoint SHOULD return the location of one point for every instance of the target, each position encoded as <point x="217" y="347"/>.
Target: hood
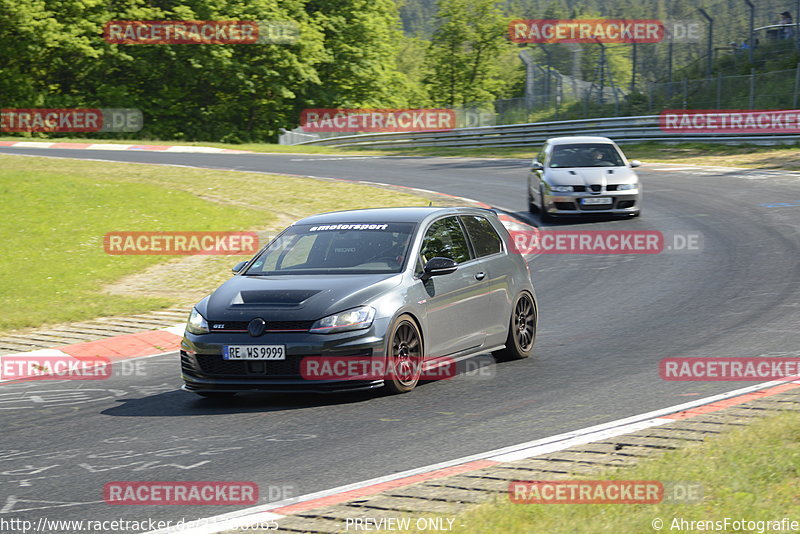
<point x="591" y="176"/>
<point x="293" y="297"/>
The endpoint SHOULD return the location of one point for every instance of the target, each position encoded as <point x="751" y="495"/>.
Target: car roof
<point x="375" y="215"/>
<point x="578" y="139"/>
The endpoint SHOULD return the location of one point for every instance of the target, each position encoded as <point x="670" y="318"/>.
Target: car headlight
<point x="627" y="187"/>
<point x="354" y="319"/>
<point x="561" y="188"/>
<point x="196" y="324"/>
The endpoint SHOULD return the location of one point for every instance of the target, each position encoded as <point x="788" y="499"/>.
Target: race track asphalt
<point x="606" y="322"/>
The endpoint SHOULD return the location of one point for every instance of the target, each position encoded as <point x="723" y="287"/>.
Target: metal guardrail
<point x="621" y="129"/>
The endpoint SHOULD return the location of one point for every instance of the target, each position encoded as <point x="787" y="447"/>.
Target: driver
<point x="598" y="155"/>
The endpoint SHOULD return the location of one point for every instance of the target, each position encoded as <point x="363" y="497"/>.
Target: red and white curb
<point x="281" y="509"/>
<point x="112" y="349"/>
<point x="114" y="146"/>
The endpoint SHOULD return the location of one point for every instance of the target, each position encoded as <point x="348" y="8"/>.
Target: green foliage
<point x="461" y="61"/>
<point x="52" y="54"/>
<point x="354" y="54"/>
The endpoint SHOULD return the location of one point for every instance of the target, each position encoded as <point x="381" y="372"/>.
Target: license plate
<point x="254" y="352"/>
<point x="595" y="201"/>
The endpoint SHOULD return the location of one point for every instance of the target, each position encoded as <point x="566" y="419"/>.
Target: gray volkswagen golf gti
<point x="362" y="299"/>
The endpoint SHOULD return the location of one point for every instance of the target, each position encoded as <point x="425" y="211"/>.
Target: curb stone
<point x="454" y="494"/>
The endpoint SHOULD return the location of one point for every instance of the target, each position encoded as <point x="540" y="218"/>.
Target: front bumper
<point x="204" y="370"/>
<point x="622" y="202"/>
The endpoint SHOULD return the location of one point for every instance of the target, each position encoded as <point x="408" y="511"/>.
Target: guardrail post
<point x="752" y="88"/>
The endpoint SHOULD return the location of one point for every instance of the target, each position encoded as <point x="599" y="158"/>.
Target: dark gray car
<point x="363" y="299"/>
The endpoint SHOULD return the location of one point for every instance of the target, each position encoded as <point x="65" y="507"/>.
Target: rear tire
<point x="521" y="330"/>
<point x="404" y="356"/>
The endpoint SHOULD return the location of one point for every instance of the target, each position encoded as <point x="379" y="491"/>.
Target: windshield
<point x="585" y="155"/>
<point x="346" y="248"/>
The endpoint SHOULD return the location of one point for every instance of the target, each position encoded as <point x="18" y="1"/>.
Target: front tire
<point x="521" y="330"/>
<point x="532" y="207"/>
<point x="405" y="356"/>
<point x="545" y="217"/>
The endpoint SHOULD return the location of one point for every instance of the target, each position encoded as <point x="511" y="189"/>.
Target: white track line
<point x="255" y="514"/>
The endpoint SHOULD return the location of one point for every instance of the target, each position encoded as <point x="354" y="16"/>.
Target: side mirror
<point x="438" y="267"/>
<point x="536" y="166"/>
<point x="239" y="266"/>
<point x="635" y="163"/>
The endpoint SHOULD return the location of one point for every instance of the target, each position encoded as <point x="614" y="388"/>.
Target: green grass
<point x="254" y="147"/>
<point x="786" y="157"/>
<point x="752" y="473"/>
<point x="53" y="265"/>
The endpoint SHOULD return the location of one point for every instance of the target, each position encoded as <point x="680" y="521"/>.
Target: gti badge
<point x="256" y="327"/>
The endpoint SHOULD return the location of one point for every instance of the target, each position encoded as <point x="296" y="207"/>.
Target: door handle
<point x="480" y="276"/>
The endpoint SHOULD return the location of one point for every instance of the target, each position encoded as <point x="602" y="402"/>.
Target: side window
<point x="444" y="239"/>
<point x="484" y="238"/>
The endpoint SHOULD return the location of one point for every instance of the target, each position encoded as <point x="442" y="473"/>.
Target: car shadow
<point x="535" y="219"/>
<point x="178" y="403"/>
<point x="581" y="220"/>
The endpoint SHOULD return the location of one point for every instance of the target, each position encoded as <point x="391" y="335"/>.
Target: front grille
<point x="612" y="187"/>
<point x="215" y="365"/>
<point x="564" y="205"/>
<point x="272" y="326"/>
<point x="597" y="207"/>
<point x="187" y="364"/>
<point x="579" y="188"/>
<point x="595" y="188"/>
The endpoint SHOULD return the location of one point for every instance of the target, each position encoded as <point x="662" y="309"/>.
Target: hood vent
<point x="286" y="297"/>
